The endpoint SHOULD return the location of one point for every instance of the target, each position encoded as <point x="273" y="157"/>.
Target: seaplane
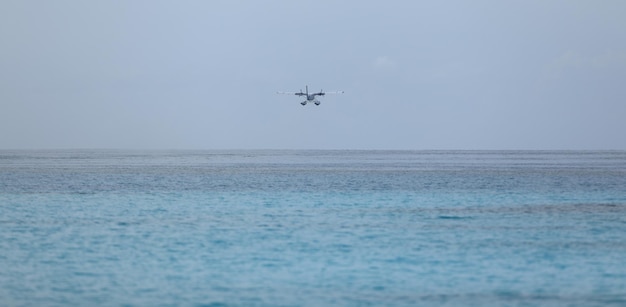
<point x="310" y="97"/>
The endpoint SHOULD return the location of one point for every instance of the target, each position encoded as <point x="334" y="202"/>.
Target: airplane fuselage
<point x="311" y="97"/>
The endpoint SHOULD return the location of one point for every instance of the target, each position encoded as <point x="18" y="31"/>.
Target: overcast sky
<point x="542" y="74"/>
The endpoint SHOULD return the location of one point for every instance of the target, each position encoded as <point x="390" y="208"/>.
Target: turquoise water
<point x="312" y="228"/>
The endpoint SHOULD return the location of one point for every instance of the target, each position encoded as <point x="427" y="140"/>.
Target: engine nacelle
<point x="303" y="103"/>
<point x="317" y="103"/>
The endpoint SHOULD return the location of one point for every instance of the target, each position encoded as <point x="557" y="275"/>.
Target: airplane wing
<point x="292" y="93"/>
<point x="324" y="93"/>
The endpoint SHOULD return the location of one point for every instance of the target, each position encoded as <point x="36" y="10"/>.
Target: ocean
<point x="312" y="228"/>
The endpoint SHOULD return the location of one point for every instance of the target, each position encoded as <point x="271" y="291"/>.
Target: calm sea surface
<point x="312" y="228"/>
